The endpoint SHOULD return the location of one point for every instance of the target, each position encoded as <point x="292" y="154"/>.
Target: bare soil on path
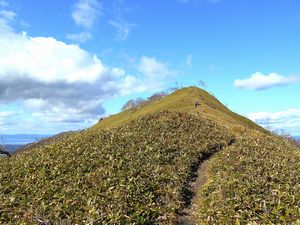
<point x="187" y="217"/>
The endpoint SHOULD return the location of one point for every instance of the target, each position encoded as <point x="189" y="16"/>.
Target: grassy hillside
<point x="183" y="100"/>
<point x="47" y="141"/>
<point x="256" y="180"/>
<point x="135" y="168"/>
<point x="135" y="173"/>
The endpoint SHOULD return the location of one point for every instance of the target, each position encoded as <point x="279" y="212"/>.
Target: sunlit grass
<point x="131" y="174"/>
<point x="133" y="167"/>
<point x="182" y="100"/>
<point x="255" y="180"/>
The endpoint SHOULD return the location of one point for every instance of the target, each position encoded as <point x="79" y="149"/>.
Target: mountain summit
<point x="183" y="100"/>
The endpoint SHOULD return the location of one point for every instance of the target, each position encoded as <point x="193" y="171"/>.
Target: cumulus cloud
<point x="86" y="12"/>
<point x="79" y="37"/>
<point x="61" y="83"/>
<point x="151" y="67"/>
<point x="47" y="60"/>
<point x="53" y="79"/>
<point x="288" y="120"/>
<point x="55" y="83"/>
<point x="259" y="81"/>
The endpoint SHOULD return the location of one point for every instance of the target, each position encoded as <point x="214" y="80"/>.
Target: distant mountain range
<point x="297" y="138"/>
<point x="12" y="148"/>
<point x="20" y="139"/>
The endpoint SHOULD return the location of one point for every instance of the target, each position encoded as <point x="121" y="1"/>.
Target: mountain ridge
<point x="182" y="100"/>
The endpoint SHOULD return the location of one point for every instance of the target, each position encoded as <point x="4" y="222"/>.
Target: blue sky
<point x="65" y="64"/>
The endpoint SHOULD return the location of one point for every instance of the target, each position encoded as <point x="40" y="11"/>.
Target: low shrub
<point x="131" y="174"/>
<point x="254" y="181"/>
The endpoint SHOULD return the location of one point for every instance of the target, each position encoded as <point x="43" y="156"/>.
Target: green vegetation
<point x="47" y="141"/>
<point x="134" y="168"/>
<point x="182" y="100"/>
<point x="131" y="174"/>
<point x="255" y="180"/>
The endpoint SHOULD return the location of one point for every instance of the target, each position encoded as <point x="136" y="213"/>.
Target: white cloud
<point x="123" y="29"/>
<point x="47" y="60"/>
<point x="5" y="114"/>
<point x="121" y="25"/>
<point x="79" y="37"/>
<point x="288" y="120"/>
<point x="6" y="119"/>
<point x="54" y="79"/>
<point x="151" y="67"/>
<point x="6" y="18"/>
<point x="50" y="76"/>
<point x="189" y="60"/>
<point x="259" y="81"/>
<point x="55" y="83"/>
<point x="61" y="83"/>
<point x="7" y="15"/>
<point x="86" y="12"/>
<point x="84" y="112"/>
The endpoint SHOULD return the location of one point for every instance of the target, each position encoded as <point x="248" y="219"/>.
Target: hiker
<point x="197" y="104"/>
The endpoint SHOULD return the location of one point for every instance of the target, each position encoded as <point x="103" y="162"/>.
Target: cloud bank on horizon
<point x="281" y="121"/>
<point x="286" y="122"/>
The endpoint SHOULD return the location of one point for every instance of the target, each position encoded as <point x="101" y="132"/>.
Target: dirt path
<point x="187" y="217"/>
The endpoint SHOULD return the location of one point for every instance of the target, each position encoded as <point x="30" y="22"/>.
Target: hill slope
<point x="183" y="100"/>
<point x="135" y="168"/>
<point x="136" y="173"/>
<point x="254" y="181"/>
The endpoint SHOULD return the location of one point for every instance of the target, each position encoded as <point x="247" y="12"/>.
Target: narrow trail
<point x="187" y="217"/>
